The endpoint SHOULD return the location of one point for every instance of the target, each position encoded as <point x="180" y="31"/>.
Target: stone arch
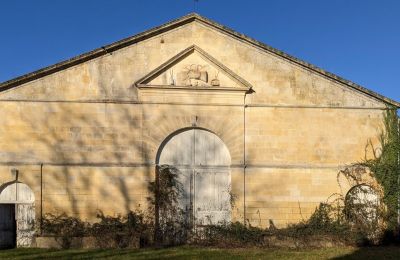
<point x="203" y="162"/>
<point x="17" y="215"/>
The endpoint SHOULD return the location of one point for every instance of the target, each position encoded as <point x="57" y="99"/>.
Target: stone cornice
<point x="190" y="88"/>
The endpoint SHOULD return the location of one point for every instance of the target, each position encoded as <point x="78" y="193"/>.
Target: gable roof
<point x="173" y="24"/>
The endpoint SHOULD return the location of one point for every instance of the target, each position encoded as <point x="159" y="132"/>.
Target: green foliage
<point x="354" y="223"/>
<point x="328" y="223"/>
<point x="171" y="222"/>
<point x="109" y="232"/>
<point x="166" y="191"/>
<point x="386" y="169"/>
<point x="63" y="225"/>
<point x="64" y="228"/>
<point x="121" y="232"/>
<point x="230" y="235"/>
<point x="322" y="222"/>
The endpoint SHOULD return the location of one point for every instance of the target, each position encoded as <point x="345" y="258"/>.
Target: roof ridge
<point x="300" y="62"/>
<point x="172" y="24"/>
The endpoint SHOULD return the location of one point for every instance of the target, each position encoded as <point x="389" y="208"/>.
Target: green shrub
<point x="109" y="232"/>
<point x="386" y="168"/>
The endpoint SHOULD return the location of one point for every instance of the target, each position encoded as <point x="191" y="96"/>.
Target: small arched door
<point x="203" y="162"/>
<point x="362" y="203"/>
<point x="17" y="215"/>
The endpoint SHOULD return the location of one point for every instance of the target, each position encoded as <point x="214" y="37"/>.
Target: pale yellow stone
<point x="304" y="128"/>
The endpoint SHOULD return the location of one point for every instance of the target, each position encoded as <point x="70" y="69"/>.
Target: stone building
<point x="235" y="116"/>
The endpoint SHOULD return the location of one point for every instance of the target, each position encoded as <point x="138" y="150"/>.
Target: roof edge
<point x="173" y="24"/>
<point x="98" y="52"/>
<point x="307" y="65"/>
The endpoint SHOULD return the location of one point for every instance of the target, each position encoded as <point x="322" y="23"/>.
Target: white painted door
<point x="212" y="197"/>
<point x="25" y="224"/>
<point x="21" y="199"/>
<point x="185" y="178"/>
<point x="203" y="162"/>
<point x="7" y="226"/>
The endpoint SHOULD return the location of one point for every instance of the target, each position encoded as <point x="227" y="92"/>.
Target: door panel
<point x="7" y="226"/>
<point x="179" y="150"/>
<point x="25" y="224"/>
<point x="195" y="147"/>
<point x="202" y="161"/>
<point x="185" y="178"/>
<point x="209" y="150"/>
<point x="212" y="197"/>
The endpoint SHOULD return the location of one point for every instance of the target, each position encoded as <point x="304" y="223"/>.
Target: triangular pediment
<point x="193" y="68"/>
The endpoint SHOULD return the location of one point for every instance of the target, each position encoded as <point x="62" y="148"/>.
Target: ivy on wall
<point x="386" y="168"/>
<point x="168" y="224"/>
<point x="171" y="222"/>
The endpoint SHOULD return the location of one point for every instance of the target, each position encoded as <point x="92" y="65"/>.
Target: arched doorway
<point x="203" y="162"/>
<point x="17" y="215"/>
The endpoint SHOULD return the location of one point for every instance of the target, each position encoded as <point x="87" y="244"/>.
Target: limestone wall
<point x="97" y="140"/>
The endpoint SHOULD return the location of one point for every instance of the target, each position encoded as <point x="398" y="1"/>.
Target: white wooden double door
<point x="16" y="225"/>
<point x="17" y="215"/>
<point x="206" y="195"/>
<point x="202" y="161"/>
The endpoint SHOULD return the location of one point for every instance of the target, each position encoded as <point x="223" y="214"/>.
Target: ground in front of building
<point x="186" y="252"/>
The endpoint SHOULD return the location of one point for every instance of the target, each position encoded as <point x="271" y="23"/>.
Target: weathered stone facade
<point x="84" y="134"/>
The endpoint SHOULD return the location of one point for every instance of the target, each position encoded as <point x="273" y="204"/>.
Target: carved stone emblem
<point x="196" y="75"/>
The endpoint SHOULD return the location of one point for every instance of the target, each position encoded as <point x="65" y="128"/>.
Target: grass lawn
<point x="186" y="252"/>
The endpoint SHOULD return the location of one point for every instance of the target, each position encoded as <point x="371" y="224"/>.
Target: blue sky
<point x="355" y="39"/>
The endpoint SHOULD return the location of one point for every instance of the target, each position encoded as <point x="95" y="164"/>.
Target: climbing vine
<point x="386" y="168"/>
<point x="342" y="219"/>
<point x="171" y="221"/>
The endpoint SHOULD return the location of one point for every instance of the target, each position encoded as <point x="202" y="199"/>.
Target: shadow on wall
<point x="98" y="156"/>
<point x="94" y="156"/>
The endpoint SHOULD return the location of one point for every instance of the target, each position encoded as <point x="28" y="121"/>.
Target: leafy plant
<point x="171" y="221"/>
<point x="109" y="232"/>
<point x="385" y="167"/>
<point x="64" y="227"/>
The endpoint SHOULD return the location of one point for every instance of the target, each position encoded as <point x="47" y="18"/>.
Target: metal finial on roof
<point x="194" y="5"/>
